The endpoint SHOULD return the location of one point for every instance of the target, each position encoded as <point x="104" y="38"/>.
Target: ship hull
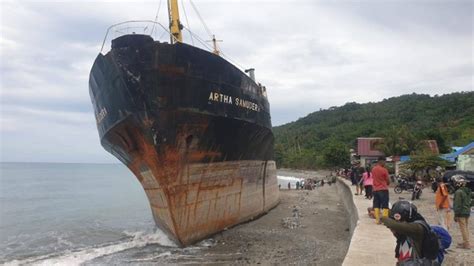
<point x="194" y="130"/>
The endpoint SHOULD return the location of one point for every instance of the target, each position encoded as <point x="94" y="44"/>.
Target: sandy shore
<point x="320" y="235"/>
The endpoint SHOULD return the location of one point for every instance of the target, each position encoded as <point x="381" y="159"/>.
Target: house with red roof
<point x="368" y="153"/>
<point x="367" y="150"/>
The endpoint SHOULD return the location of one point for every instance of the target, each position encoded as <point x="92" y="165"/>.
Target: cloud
<point x="309" y="55"/>
<point x="30" y="134"/>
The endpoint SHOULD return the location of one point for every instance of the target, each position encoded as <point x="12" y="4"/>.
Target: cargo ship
<point x="193" y="128"/>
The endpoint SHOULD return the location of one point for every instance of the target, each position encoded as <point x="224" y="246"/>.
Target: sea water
<point x="70" y="214"/>
<point x="283" y="181"/>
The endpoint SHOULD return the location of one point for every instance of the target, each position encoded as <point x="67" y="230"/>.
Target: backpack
<point x="431" y="246"/>
<point x="445" y="241"/>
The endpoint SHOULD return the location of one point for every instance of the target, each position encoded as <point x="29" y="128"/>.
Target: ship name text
<point x="227" y="99"/>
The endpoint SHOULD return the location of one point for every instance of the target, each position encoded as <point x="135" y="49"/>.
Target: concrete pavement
<point x="371" y="244"/>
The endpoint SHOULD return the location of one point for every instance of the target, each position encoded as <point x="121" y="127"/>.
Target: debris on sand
<point x="292" y="222"/>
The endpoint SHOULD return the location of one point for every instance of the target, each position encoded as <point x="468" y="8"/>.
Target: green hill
<point x="447" y="118"/>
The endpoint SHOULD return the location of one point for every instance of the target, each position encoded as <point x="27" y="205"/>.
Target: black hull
<point x="158" y="84"/>
<point x="163" y="109"/>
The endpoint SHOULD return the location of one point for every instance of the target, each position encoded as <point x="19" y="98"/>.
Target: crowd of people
<point x="417" y="242"/>
<point x="312" y="183"/>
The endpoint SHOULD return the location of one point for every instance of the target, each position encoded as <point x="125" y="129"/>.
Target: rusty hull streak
<point x="172" y="172"/>
<point x="168" y="167"/>
<point x="170" y="69"/>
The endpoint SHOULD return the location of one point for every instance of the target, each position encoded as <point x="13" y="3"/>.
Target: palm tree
<point x="398" y="141"/>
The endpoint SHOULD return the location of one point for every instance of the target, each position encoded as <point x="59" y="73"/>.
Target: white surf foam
<point x="137" y="240"/>
<point x="284" y="180"/>
<point x="289" y="178"/>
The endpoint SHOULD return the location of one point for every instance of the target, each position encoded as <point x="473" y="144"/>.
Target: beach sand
<point x="321" y="233"/>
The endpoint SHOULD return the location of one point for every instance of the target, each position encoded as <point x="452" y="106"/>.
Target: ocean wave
<point x="289" y="178"/>
<point x="76" y="257"/>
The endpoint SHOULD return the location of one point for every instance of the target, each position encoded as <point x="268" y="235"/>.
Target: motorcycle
<point x="417" y="190"/>
<point x="449" y="185"/>
<point x="403" y="184"/>
<point x="451" y="188"/>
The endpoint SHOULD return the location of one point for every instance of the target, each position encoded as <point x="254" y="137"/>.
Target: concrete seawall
<point x="371" y="244"/>
<point x="345" y="193"/>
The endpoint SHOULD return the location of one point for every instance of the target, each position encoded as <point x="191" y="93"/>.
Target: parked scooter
<point x="449" y="185"/>
<point x="403" y="184"/>
<point x="417" y="190"/>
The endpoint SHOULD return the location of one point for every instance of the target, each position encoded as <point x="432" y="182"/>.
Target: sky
<point x="310" y="55"/>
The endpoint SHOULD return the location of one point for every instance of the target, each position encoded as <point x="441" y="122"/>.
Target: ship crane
<point x="176" y="35"/>
<point x="176" y="27"/>
<point x="175" y="24"/>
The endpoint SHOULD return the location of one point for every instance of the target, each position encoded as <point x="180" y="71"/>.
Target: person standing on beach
<point x="442" y="203"/>
<point x="380" y="187"/>
<point x="352" y="174"/>
<point x="462" y="209"/>
<point x="358" y="179"/>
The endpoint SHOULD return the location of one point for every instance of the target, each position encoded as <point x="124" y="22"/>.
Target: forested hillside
<point x="310" y="141"/>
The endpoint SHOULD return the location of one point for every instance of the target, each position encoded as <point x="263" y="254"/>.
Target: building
<point x="464" y="157"/>
<point x="367" y="150"/>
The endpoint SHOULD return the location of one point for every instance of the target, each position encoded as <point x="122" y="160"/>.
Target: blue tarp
<point x="404" y="158"/>
<point x="452" y="156"/>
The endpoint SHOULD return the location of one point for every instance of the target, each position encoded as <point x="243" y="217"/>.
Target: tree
<point x="436" y="135"/>
<point x="398" y="141"/>
<point x="336" y="154"/>
<point x="279" y="154"/>
<point x="423" y="163"/>
<point x="403" y="121"/>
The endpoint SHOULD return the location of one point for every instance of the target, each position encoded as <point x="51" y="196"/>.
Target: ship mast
<point x="214" y="44"/>
<point x="175" y="24"/>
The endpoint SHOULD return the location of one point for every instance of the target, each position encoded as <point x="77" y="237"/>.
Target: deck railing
<point x="159" y="33"/>
<point x="152" y="28"/>
<point x="148" y="27"/>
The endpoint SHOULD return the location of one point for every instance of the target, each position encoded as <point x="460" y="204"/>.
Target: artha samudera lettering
<point x="227" y="99"/>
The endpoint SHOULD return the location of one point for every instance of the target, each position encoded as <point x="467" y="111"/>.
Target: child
<point x="368" y="182"/>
